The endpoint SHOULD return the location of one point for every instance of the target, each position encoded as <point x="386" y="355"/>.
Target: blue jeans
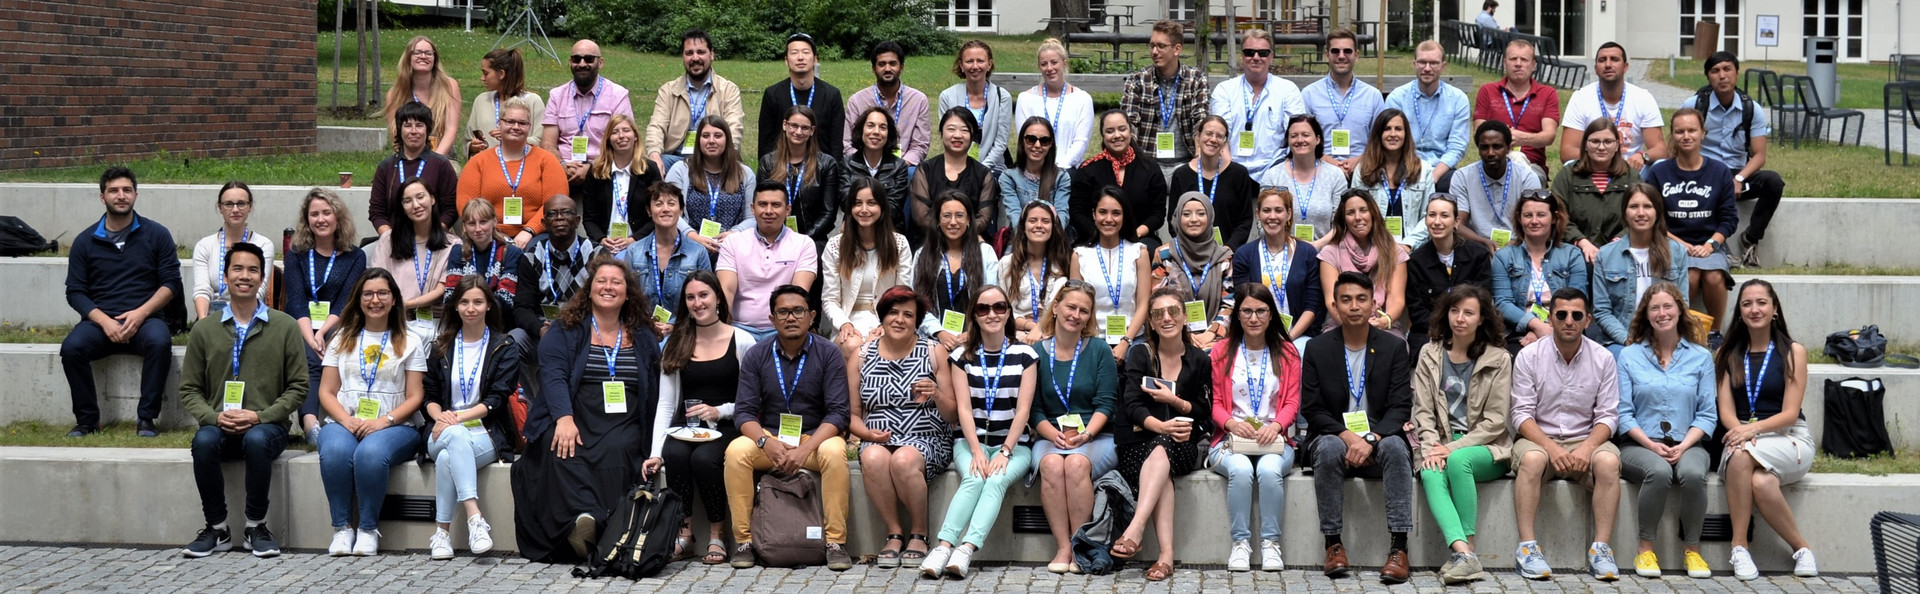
<point x="259" y="446"/>
<point x="759" y="335"/>
<point x="1270" y="470"/>
<point x="353" y="467"/>
<point x="457" y="455"/>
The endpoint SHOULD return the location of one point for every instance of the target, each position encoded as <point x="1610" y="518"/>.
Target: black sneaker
<point x="260" y="540"/>
<point x="83" y="430"/>
<point x="210" y="540"/>
<point x="146" y="429"/>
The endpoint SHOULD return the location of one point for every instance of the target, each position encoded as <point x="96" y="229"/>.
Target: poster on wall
<point x="1767" y="30"/>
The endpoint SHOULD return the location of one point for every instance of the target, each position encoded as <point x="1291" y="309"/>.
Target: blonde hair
<point x="1071" y="287"/>
<point x="1053" y="45"/>
<point x="476" y="210"/>
<point x="437" y="100"/>
<point x="343" y="232"/>
<point x="603" y="164"/>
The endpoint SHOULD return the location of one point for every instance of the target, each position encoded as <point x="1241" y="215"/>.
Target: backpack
<point x="17" y="238"/>
<point x="638" y="541"/>
<point x="787" y="522"/>
<point x="1703" y="101"/>
<point x="1855" y="424"/>
<point x="1863" y="347"/>
<point x="1112" y="511"/>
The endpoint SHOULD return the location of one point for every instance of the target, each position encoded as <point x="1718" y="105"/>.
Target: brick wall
<point x="89" y="81"/>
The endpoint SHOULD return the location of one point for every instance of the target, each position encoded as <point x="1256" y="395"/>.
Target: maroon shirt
<point x="1544" y="104"/>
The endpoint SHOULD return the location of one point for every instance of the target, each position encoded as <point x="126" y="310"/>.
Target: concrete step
<point x="97" y="479"/>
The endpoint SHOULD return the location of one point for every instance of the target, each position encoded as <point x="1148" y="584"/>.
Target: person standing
<point x="1440" y="113"/>
<point x="574" y="125"/>
<point x="120" y="273"/>
<point x="1566" y="404"/>
<point x="1256" y="105"/>
<point x="907" y="104"/>
<point x="1632" y="109"/>
<point x="802" y="87"/>
<point x="1738" y="139"/>
<point x="683" y="102"/>
<point x="1530" y="109"/>
<point x="258" y="391"/>
<point x="1344" y="104"/>
<point x="990" y="104"/>
<point x="1165" y="102"/>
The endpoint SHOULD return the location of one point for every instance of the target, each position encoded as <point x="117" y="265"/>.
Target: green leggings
<point x="1452" y="493"/>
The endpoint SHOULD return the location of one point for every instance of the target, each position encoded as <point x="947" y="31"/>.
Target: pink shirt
<point x="565" y="105"/>
<point x="763" y="267"/>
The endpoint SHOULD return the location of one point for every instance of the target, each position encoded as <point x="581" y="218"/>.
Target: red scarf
<point x="1119" y="163"/>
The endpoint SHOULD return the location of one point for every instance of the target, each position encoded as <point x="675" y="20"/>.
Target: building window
<point x="1826" y="18"/>
<point x="1267" y="10"/>
<point x="1724" y="12"/>
<point x="965" y="15"/>
<point x="1180" y="10"/>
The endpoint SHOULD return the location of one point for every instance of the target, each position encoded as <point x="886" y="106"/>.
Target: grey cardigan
<point x="994" y="132"/>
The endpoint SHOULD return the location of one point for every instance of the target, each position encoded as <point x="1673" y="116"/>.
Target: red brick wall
<point x="89" y="81"/>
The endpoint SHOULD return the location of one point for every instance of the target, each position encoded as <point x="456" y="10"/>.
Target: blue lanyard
<point x="1753" y="384"/>
<point x="496" y="109"/>
<point x="1393" y="199"/>
<point x="1256" y="382"/>
<point x="1419" y="115"/>
<point x="793" y="99"/>
<point x="513" y="181"/>
<point x="1303" y="199"/>
<point x="1601" y="98"/>
<point x="660" y="272"/>
<point x="368" y="375"/>
<point x="1053" y="115"/>
<point x="469" y="381"/>
<point x="1486" y="189"/>
<point x="1188" y="270"/>
<point x="697" y="102"/>
<point x="1513" y="118"/>
<point x="898" y="99"/>
<point x="613" y="352"/>
<point x="986" y="104"/>
<point x="400" y="165"/>
<point x="240" y="339"/>
<point x="1035" y="287"/>
<point x="946" y="273"/>
<point x="220" y="277"/>
<point x="1167" y="102"/>
<point x="1277" y="283"/>
<point x="592" y="99"/>
<point x="1538" y="284"/>
<point x="992" y="380"/>
<point x="1253" y="100"/>
<point x="622" y="186"/>
<point x="314" y="282"/>
<point x="713" y="199"/>
<point x="780" y="374"/>
<point x="1356" y="385"/>
<point x="1341" y="103"/>
<point x="554" y="281"/>
<point x="421" y="266"/>
<point x="1053" y="365"/>
<point x="1112" y="276"/>
<point x="1201" y="174"/>
<point x="796" y="175"/>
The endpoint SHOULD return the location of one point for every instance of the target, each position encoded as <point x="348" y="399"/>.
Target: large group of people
<point x="930" y="285"/>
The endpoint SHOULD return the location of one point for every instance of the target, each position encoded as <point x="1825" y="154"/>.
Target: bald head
<point x="585" y="62"/>
<point x="561" y="217"/>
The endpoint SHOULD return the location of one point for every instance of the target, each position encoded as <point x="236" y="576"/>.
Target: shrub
<point x="757" y="29"/>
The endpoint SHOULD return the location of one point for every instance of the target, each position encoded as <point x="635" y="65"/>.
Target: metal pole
<point x="1379" y="48"/>
<point x="339" y="20"/>
<point x="469" y="17"/>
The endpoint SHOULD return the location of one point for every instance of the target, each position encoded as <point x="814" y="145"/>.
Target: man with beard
<point x="121" y="271"/>
<point x="684" y="101"/>
<point x="1632" y="109"/>
<point x="908" y="105"/>
<point x="575" y="125"/>
<point x="802" y="87"/>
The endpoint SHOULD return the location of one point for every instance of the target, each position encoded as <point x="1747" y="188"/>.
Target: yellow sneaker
<point x="1697" y="566"/>
<point x="1647" y="565"/>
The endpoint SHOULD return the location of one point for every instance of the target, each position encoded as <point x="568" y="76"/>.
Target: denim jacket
<point x="1564" y="266"/>
<point x="1680" y="396"/>
<point x="640" y="257"/>
<point x="1614" y="293"/>
<point x="1413" y="204"/>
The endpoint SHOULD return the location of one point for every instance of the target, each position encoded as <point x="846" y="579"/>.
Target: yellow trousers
<point x="829" y="460"/>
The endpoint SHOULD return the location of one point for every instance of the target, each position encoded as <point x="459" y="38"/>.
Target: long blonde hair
<point x="437" y="100"/>
<point x="603" y="164"/>
<point x="343" y="232"/>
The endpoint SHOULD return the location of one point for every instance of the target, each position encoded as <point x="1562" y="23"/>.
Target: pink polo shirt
<point x="763" y="267"/>
<point x="566" y="104"/>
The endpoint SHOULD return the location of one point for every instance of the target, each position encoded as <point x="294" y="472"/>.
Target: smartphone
<point x="1154" y="382"/>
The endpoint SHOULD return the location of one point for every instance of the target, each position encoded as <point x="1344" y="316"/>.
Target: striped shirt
<point x="992" y="425"/>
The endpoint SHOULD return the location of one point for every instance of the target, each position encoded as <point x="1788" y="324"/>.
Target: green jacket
<point x="1591" y="214"/>
<point x="273" y="364"/>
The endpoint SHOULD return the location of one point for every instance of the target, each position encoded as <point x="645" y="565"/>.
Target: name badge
<point x="552" y="312"/>
<point x="474" y="426"/>
<point x="1196" y="316"/>
<point x="953" y="322"/>
<point x="1245" y="140"/>
<point x="686" y="146"/>
<point x="896" y="152"/>
<point x="318" y="311"/>
<point x="614" y="394"/>
<point x="580" y="148"/>
<point x="423" y="314"/>
<point x="1342" y="142"/>
<point x="973" y="152"/>
<point x="1216" y="236"/>
<point x="511" y="210"/>
<point x="367" y="410"/>
<point x="710" y="228"/>
<point x="1250" y="420"/>
<point x="790" y="429"/>
<point x="235" y="395"/>
<point x="661" y="315"/>
<point x="1286" y="321"/>
<point x="1502" y="237"/>
<point x="1303" y="231"/>
<point x="1395" y="226"/>
<point x="1163" y="145"/>
<point x="1116" y="326"/>
<point x="619" y="230"/>
<point x="1540" y="311"/>
<point x="1357" y="422"/>
<point x="793" y="222"/>
<point x="1070" y="421"/>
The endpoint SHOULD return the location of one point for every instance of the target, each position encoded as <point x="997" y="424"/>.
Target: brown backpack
<point x="789" y="528"/>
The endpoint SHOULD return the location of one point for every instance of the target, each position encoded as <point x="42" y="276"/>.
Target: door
<point x="1564" y="21"/>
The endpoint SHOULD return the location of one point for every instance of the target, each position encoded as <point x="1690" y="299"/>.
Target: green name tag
<point x="1357" y="422"/>
<point x="973" y="152"/>
<point x="1395" y="227"/>
<point x="793" y="222"/>
<point x="1342" y="142"/>
<point x="368" y="409"/>
<point x="552" y="312"/>
<point x="614" y="394"/>
<point x="1502" y="237"/>
<point x="424" y="314"/>
<point x="318" y="311"/>
<point x="1196" y="312"/>
<point x="580" y="148"/>
<point x="1216" y="236"/>
<point x="1163" y="145"/>
<point x="234" y="396"/>
<point x="896" y="152"/>
<point x="686" y="144"/>
<point x="619" y="230"/>
<point x="472" y="424"/>
<point x="1116" y="326"/>
<point x="1303" y="231"/>
<point x="661" y="315"/>
<point x="1250" y="420"/>
<point x="1286" y="321"/>
<point x="953" y="322"/>
<point x="1541" y="312"/>
<point x="790" y="429"/>
<point x="511" y="210"/>
<point x="710" y="229"/>
<point x="1246" y="140"/>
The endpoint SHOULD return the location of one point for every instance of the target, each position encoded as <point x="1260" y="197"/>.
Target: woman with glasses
<point x="1526" y="274"/>
<point x="904" y="442"/>
<point x="699" y="376"/>
<point x="1314" y="184"/>
<point x="1197" y="266"/>
<point x="1225" y="183"/>
<point x="1462" y="386"/>
<point x="1667" y="410"/>
<point x="505" y="76"/>
<point x="992" y="381"/>
<point x="416" y="249"/>
<point x="234" y="202"/>
<point x="471" y="372"/>
<point x="370" y="390"/>
<point x="990" y="104"/>
<point x="1078" y="390"/>
<point x="1067" y="109"/>
<point x="1035" y="174"/>
<point x="1120" y="272"/>
<point x="606" y="195"/>
<point x="873" y="158"/>
<point x="1701" y="212"/>
<point x="1441" y="264"/>
<point x="516" y="177"/>
<point x="419" y="78"/>
<point x="1392" y="171"/>
<point x="812" y="176"/>
<point x="1593" y="187"/>
<point x="954" y="168"/>
<point x="1139" y="179"/>
<point x="665" y="259"/>
<point x="718" y="187"/>
<point x="1628" y="268"/>
<point x="865" y="258"/>
<point x="1037" y="262"/>
<point x="950" y="265"/>
<point x="1287" y="266"/>
<point x="1166" y="413"/>
<point x="1256" y="399"/>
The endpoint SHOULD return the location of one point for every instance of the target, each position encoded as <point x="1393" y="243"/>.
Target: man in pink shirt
<point x="1566" y="402"/>
<point x="908" y="105"/>
<point x="753" y="264"/>
<point x="575" y="125"/>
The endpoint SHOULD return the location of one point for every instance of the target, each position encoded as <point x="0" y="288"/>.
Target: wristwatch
<point x="390" y="420"/>
<point x="1713" y="244"/>
<point x="1739" y="178"/>
<point x="1371" y="438"/>
<point x="762" y="442"/>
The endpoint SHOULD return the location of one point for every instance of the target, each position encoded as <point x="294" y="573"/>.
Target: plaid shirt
<point x="1140" y="99"/>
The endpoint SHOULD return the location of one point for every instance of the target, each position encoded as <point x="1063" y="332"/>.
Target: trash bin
<point x="1822" y="53"/>
<point x="1706" y="39"/>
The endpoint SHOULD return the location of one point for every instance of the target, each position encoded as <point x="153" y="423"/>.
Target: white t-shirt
<point x="1642" y="275"/>
<point x="1636" y="113"/>
<point x="1118" y="272"/>
<point x="1258" y="365"/>
<point x="389" y="384"/>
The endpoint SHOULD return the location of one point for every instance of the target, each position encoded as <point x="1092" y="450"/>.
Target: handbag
<point x="1251" y="447"/>
<point x="1861" y="347"/>
<point x="1855" y="423"/>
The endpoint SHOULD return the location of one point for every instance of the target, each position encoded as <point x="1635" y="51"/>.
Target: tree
<point x="1067" y="9"/>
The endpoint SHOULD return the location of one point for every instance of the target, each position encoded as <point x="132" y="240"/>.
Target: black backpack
<point x="1862" y="347"/>
<point x="1855" y="424"/>
<point x="19" y="239"/>
<point x="638" y="540"/>
<point x="1703" y="101"/>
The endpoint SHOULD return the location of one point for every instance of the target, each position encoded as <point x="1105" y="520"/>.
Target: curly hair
<point x="635" y="310"/>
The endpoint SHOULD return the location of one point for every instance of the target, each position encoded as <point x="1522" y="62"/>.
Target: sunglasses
<point x="1037" y="140"/>
<point x="584" y="59"/>
<point x="1001" y="308"/>
<point x="1256" y="53"/>
<point x="1337" y="51"/>
<point x="1565" y="314"/>
<point x="1175" y="312"/>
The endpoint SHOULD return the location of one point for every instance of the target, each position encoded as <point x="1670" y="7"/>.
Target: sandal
<point x="913" y="555"/>
<point x="681" y="542"/>
<point x="1159" y="572"/>
<point x="716" y="552"/>
<point x="1124" y="548"/>
<point x="890" y="556"/>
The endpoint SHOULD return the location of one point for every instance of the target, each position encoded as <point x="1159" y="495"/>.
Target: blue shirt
<point x="672" y="274"/>
<point x="1439" y="122"/>
<point x="1677" y="397"/>
<point x="1016" y="191"/>
<point x="1564" y="266"/>
<point x="1486" y="20"/>
<point x="1327" y="104"/>
<point x="1279" y="100"/>
<point x="1723" y="143"/>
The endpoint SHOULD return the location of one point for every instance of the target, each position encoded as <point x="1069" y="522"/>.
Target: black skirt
<point x="548" y="492"/>
<point x="1181" y="457"/>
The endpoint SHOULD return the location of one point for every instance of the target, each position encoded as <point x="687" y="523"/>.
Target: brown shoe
<point x="1395" y="571"/>
<point x="1336" y="564"/>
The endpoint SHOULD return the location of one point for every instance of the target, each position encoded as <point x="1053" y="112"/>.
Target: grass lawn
<point x="1860" y="84"/>
<point x="113" y="435"/>
<point x="1907" y="462"/>
<point x="284" y="169"/>
<point x="18" y="334"/>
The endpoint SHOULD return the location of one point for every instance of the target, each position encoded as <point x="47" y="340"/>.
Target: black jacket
<point x="563" y="361"/>
<point x="594" y="198"/>
<point x="1195" y="385"/>
<point x="819" y="204"/>
<point x="829" y="112"/>
<point x="501" y="378"/>
<point x="893" y="175"/>
<point x="1323" y="384"/>
<point x="1428" y="279"/>
<point x="1233" y="193"/>
<point x="1146" y="193"/>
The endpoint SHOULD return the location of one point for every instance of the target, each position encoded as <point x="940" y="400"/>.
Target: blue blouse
<point x="1663" y="403"/>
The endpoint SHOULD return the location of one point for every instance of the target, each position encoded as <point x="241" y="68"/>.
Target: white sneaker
<point x="1803" y="565"/>
<point x="1743" y="568"/>
<point x="958" y="562"/>
<point x="1270" y="556"/>
<point x="1239" y="557"/>
<point x="366" y="543"/>
<point x="936" y="562"/>
<point x="581" y="538"/>
<point x="479" y="535"/>
<point x="342" y="542"/>
<point x="440" y="546"/>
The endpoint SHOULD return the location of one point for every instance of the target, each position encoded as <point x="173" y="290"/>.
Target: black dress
<point x="603" y="468"/>
<point x="1132" y="441"/>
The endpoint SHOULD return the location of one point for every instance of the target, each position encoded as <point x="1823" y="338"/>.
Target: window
<point x="1266" y="10"/>
<point x="1825" y="18"/>
<point x="964" y="15"/>
<point x="1724" y="12"/>
<point x="1180" y="10"/>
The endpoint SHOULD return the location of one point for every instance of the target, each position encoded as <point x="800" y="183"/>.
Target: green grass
<point x="1906" y="462"/>
<point x="1860" y="84"/>
<point x="19" y="334"/>
<point x="320" y="169"/>
<point x="113" y="435"/>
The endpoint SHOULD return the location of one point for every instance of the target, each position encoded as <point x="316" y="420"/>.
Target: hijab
<point x="1196" y="254"/>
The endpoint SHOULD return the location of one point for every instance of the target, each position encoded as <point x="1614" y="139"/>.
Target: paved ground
<point x="72" y="569"/>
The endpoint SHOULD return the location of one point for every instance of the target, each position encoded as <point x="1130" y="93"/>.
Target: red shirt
<point x="1541" y="102"/>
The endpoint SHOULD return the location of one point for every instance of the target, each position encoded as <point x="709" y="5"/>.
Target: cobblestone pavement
<point x="157" y="571"/>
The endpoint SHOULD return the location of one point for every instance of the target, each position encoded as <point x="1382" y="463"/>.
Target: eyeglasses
<point x="1564" y="314"/>
<point x="1256" y="53"/>
<point x="376" y="295"/>
<point x="561" y="213"/>
<point x="1001" y="308"/>
<point x="424" y="52"/>
<point x="235" y="205"/>
<point x="798" y="127"/>
<point x="1161" y="46"/>
<point x="1602" y="141"/>
<point x="1037" y="140"/>
<point x="1255" y="313"/>
<point x="1338" y="51"/>
<point x="584" y="59"/>
<point x="793" y="313"/>
<point x="515" y="123"/>
<point x="1172" y="311"/>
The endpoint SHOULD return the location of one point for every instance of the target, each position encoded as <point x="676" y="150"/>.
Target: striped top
<point x="992" y="425"/>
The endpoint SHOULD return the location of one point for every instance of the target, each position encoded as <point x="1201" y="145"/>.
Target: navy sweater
<point x="119" y="279"/>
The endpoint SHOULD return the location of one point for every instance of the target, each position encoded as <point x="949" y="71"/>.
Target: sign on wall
<point x="1766" y="30"/>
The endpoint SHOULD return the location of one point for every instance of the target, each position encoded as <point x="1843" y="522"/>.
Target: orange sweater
<point x="543" y="178"/>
